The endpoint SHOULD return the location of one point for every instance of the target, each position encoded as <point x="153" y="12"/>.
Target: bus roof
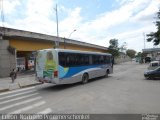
<point x="77" y="51"/>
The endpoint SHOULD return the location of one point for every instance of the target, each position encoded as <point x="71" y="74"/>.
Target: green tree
<point x="113" y="47"/>
<point x="113" y="43"/>
<point x="139" y="54"/>
<point x="123" y="47"/>
<point x="155" y="36"/>
<point x="131" y="53"/>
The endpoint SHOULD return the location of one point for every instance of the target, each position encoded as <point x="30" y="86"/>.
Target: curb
<point x="14" y="86"/>
<point x="4" y="90"/>
<point x="30" y="85"/>
<point x="18" y="87"/>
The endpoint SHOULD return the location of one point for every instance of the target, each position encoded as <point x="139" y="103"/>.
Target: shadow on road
<point x="53" y="87"/>
<point x="153" y="79"/>
<point x="98" y="79"/>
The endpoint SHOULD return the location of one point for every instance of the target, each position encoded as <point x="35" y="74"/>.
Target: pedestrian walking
<point x="13" y="75"/>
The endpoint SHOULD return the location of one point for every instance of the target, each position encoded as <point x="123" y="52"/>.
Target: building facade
<point x="18" y="48"/>
<point x="153" y="53"/>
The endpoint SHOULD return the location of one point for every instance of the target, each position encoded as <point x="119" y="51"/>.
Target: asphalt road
<point x="124" y="91"/>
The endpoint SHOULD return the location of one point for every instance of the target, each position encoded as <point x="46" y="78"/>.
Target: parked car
<point x="151" y="74"/>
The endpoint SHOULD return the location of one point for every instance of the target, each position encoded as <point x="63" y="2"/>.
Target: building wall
<point x="83" y="48"/>
<point x="7" y="60"/>
<point x="122" y="59"/>
<point x="27" y="45"/>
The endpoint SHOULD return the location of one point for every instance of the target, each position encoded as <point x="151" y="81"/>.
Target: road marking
<point x="28" y="107"/>
<point x="20" y="103"/>
<point x="9" y="96"/>
<point x="46" y="111"/>
<point x="19" y="98"/>
<point x="14" y="91"/>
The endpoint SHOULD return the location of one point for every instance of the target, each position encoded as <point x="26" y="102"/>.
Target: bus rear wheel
<point x="106" y="75"/>
<point x="85" y="78"/>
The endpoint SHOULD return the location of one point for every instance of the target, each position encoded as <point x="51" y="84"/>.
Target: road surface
<point x="124" y="91"/>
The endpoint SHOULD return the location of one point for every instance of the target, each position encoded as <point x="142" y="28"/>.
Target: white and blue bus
<point x="62" y="66"/>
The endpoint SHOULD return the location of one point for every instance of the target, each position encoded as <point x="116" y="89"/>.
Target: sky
<point x="95" y="21"/>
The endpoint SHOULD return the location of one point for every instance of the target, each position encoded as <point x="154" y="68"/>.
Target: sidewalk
<point x="21" y="81"/>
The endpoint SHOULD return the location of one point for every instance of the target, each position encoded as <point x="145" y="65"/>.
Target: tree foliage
<point x="113" y="43"/>
<point x="131" y="53"/>
<point x="155" y="36"/>
<point x="113" y="47"/>
<point x="123" y="47"/>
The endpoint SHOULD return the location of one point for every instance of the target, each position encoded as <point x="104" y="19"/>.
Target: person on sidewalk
<point x="13" y="75"/>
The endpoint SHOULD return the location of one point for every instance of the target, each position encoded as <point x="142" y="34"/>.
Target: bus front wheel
<point x="85" y="78"/>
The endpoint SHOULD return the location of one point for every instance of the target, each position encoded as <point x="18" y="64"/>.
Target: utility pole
<point x="144" y="40"/>
<point x="57" y="41"/>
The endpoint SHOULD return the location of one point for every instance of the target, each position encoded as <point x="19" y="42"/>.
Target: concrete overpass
<point x="15" y="44"/>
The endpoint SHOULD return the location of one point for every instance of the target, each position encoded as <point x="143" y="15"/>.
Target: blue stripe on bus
<point x="74" y="70"/>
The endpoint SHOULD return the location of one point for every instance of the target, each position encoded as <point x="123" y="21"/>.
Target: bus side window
<point x="101" y="59"/>
<point x="67" y="60"/>
<point x="81" y="59"/>
<point x="70" y="59"/>
<point x="95" y="59"/>
<point x="86" y="59"/>
<point x="107" y="59"/>
<point x="62" y="59"/>
<point x="90" y="60"/>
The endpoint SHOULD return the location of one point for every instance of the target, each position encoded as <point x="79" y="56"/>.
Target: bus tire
<point x="106" y="75"/>
<point x="85" y="78"/>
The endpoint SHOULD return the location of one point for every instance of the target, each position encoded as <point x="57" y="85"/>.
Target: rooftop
<point x="151" y="50"/>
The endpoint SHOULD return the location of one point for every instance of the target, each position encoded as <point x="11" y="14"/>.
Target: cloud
<point x="122" y="2"/>
<point x="37" y="17"/>
<point x="9" y="5"/>
<point x="148" y="13"/>
<point x="107" y="20"/>
<point x="71" y="22"/>
<point x="126" y="23"/>
<point x="116" y="17"/>
<point x="39" y="9"/>
<point x="129" y="12"/>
